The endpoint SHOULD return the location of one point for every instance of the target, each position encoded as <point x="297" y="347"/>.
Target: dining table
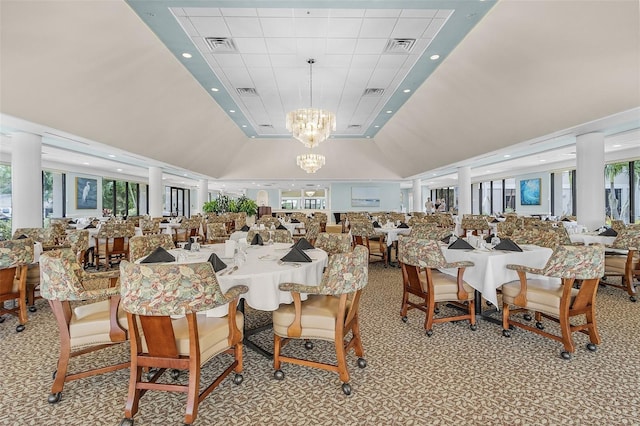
<point x="391" y="234"/>
<point x="261" y="269"/>
<point x="490" y="271"/>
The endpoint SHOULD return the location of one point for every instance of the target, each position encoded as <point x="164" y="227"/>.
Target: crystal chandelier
<point x="310" y="163"/>
<point x="311" y="125"/>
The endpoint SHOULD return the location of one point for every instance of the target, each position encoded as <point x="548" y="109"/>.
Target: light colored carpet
<point x="456" y="377"/>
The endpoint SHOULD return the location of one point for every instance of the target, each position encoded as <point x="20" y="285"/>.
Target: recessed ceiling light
<point x="214" y="89"/>
<point x="406" y="90"/>
<point x="232" y="110"/>
<point x="389" y="112"/>
<point x="187" y="55"/>
<point x="376" y="126"/>
<point x="506" y="156"/>
<point x="112" y="156"/>
<point x="616" y="145"/>
<point x="368" y="137"/>
<point x="119" y="170"/>
<point x="86" y="164"/>
<point x="244" y="125"/>
<point x="185" y="175"/>
<point x="253" y="137"/>
<point x="542" y="160"/>
<point x="434" y="57"/>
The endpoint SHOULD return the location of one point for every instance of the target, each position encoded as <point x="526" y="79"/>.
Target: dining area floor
<point x="455" y="377"/>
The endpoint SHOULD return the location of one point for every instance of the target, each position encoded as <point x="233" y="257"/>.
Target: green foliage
<point x="5" y="229"/>
<point x="224" y="204"/>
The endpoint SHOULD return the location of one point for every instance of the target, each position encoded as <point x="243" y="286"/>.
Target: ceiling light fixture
<point x="311" y="126"/>
<point x="310" y="163"/>
<point x="309" y="193"/>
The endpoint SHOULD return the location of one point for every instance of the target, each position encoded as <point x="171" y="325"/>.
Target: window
<point x="497" y="197"/>
<point x="617" y="191"/>
<point x="510" y="195"/>
<point x="5" y="201"/>
<point x="120" y="198"/>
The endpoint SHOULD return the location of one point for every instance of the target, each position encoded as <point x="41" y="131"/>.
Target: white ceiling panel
<point x="244" y="27"/>
<point x="310" y="27"/>
<point x="410" y="28"/>
<point x="372" y="46"/>
<point x="341" y="46"/>
<point x="201" y="11"/>
<point x="433" y="28"/>
<point x="377" y="28"/>
<point x="278" y="27"/>
<point x="256" y="63"/>
<point x="344" y="27"/>
<point x="229" y="60"/>
<point x="275" y="12"/>
<point x="250" y="45"/>
<point x="210" y="26"/>
<point x="232" y="11"/>
<point x="281" y="46"/>
<point x="382" y="13"/>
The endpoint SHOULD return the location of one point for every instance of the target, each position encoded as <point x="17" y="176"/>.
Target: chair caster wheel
<point x="238" y="378"/>
<point x="506" y="333"/>
<point x="565" y="355"/>
<point x="1" y="320"/>
<point x="632" y="298"/>
<point x="429" y="333"/>
<point x="436" y="311"/>
<point x="346" y="389"/>
<point x="54" y="397"/>
<point x="278" y="375"/>
<point x="591" y="347"/>
<point x="126" y="422"/>
<point x="20" y="328"/>
<point x="473" y="327"/>
<point x="308" y="345"/>
<point x="539" y="325"/>
<point x="174" y="374"/>
<point x="527" y="317"/>
<point x="405" y="319"/>
<point x="32" y="309"/>
<point x="362" y="363"/>
<point x="54" y="374"/>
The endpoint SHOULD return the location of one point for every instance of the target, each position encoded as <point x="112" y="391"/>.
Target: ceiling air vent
<point x="266" y="126"/>
<point x="221" y="45"/>
<point x="399" y="45"/>
<point x="373" y="92"/>
<point x="354" y="126"/>
<point x="247" y="91"/>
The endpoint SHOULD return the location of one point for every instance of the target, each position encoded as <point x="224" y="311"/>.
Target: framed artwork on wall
<point x="530" y="192"/>
<point x="365" y="196"/>
<point x="86" y="193"/>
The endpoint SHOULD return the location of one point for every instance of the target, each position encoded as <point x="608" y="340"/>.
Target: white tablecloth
<point x="392" y="233"/>
<point x="591" y="238"/>
<point x="490" y="272"/>
<point x="262" y="273"/>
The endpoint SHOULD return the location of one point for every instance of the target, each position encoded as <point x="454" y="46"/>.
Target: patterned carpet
<point x="456" y="377"/>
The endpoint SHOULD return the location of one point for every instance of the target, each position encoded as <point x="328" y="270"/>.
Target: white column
<point x="155" y="191"/>
<point x="557" y="194"/>
<point x="203" y="194"/>
<point x="327" y="194"/>
<point x="590" y="207"/>
<point x="417" y="196"/>
<point x="26" y="181"/>
<point x="464" y="190"/>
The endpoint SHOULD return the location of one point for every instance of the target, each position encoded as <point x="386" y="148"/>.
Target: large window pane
<point x="121" y="202"/>
<point x="108" y="189"/>
<point x="497" y="197"/>
<point x="617" y="199"/>
<point x="636" y="191"/>
<point x="486" y="198"/>
<point x="509" y="195"/>
<point x="567" y="194"/>
<point x="133" y="200"/>
<point x="5" y="201"/>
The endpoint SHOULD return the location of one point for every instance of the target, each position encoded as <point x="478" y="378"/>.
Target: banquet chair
<point x="151" y="295"/>
<point x="112" y="242"/>
<point x="84" y="328"/>
<point x="428" y="231"/>
<point x="188" y="228"/>
<point x="333" y="243"/>
<point x="535" y="236"/>
<point x="557" y="299"/>
<point x="15" y="256"/>
<point x="617" y="225"/>
<point x="478" y="224"/>
<point x="364" y="234"/>
<point x="149" y="226"/>
<point x="312" y="231"/>
<point x="216" y="232"/>
<point x="420" y="260"/>
<point x="321" y="218"/>
<point x="330" y="313"/>
<point x="624" y="261"/>
<point x="143" y="245"/>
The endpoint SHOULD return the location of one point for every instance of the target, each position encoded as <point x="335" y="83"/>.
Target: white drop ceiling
<point x="517" y="78"/>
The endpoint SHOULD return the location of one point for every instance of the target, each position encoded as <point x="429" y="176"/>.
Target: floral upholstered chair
<point x="15" y="256"/>
<point x="557" y="299"/>
<point x="149" y="226"/>
<point x="420" y="261"/>
<point x="143" y="245"/>
<point x="364" y="234"/>
<point x="429" y="231"/>
<point x="151" y="295"/>
<point x="330" y="313"/>
<point x="84" y="328"/>
<point x="112" y="242"/>
<point x="624" y="261"/>
<point x="535" y="236"/>
<point x="333" y="243"/>
<point x="217" y="232"/>
<point x="312" y="231"/>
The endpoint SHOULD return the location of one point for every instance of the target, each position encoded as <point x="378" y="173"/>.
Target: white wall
<point x="341" y="197"/>
<point x="545" y="195"/>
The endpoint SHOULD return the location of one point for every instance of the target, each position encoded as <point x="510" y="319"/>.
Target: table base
<point x="246" y="333"/>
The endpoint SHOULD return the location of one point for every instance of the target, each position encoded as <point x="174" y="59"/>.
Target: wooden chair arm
<point x="116" y="332"/>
